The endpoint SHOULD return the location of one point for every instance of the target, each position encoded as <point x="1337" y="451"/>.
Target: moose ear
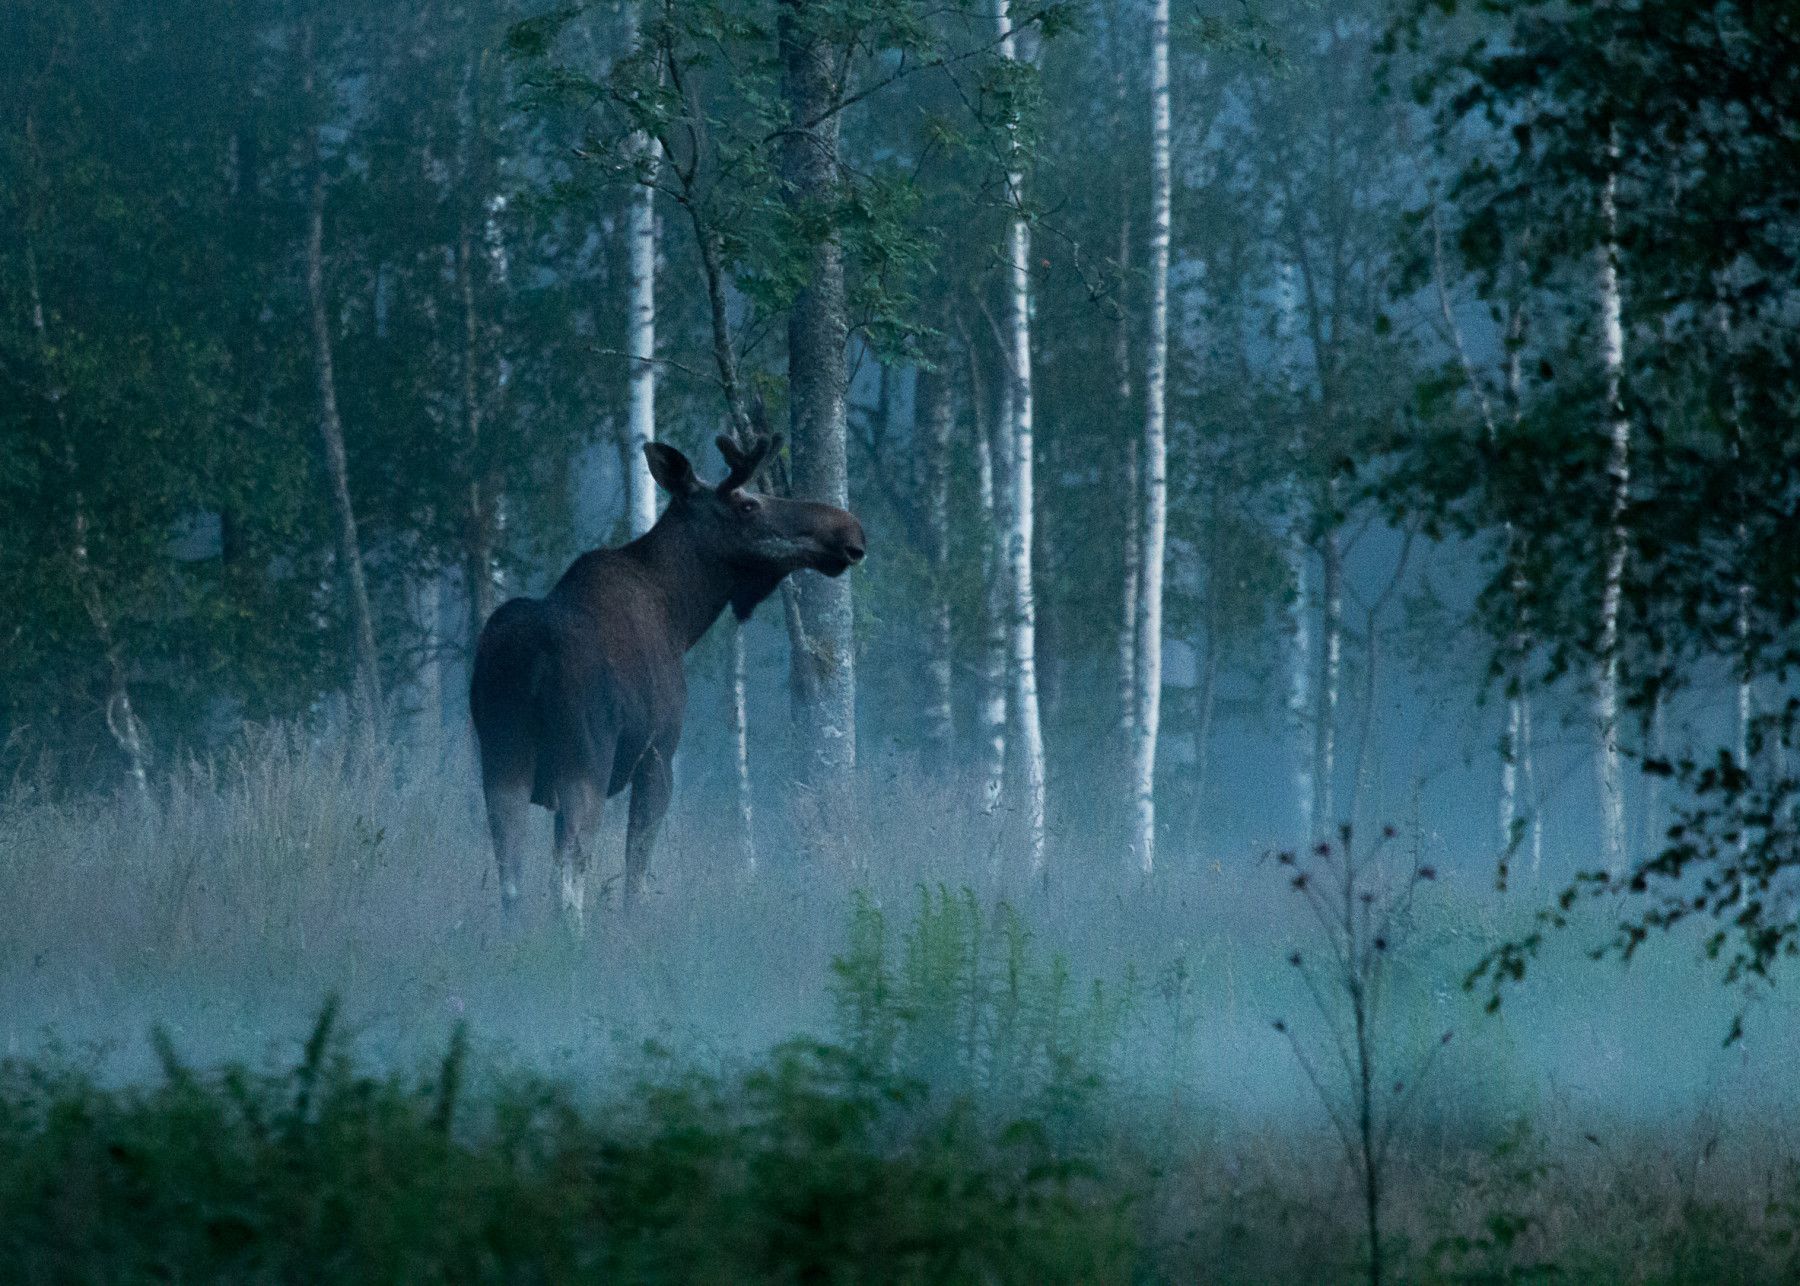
<point x="670" y="468"/>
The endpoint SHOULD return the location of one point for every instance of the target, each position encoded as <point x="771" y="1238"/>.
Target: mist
<point x="1302" y="786"/>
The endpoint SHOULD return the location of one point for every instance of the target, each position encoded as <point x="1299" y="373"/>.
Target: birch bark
<point x="640" y="333"/>
<point x="933" y="391"/>
<point x="1618" y="469"/>
<point x="1148" y="702"/>
<point x="367" y="686"/>
<point x="992" y="706"/>
<point x="1023" y="641"/>
<point x="1298" y="553"/>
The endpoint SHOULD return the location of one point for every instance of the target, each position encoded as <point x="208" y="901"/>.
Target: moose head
<point x="760" y="538"/>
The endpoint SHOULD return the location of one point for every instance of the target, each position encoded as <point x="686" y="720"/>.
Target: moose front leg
<point x="650" y="788"/>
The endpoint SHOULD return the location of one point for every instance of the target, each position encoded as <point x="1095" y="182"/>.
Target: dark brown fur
<point x="579" y="694"/>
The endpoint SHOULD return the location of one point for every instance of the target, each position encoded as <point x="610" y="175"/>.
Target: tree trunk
<point x="331" y="436"/>
<point x="1129" y="500"/>
<point x="1148" y="702"/>
<point x="1296" y="548"/>
<point x="1020" y="491"/>
<point x="640" y="336"/>
<point x="740" y="742"/>
<point x="121" y="717"/>
<point x="1331" y="646"/>
<point x="1618" y="468"/>
<point x="817" y="332"/>
<point x="992" y="707"/>
<point x="933" y="396"/>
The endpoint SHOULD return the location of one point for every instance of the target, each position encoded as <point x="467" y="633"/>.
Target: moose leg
<point x="578" y="806"/>
<point x="509" y="816"/>
<point x="650" y="788"/>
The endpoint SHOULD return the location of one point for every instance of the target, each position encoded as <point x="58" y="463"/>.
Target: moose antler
<point x="744" y="461"/>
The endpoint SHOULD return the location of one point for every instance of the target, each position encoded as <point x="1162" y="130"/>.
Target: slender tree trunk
<point x="992" y="706"/>
<point x="640" y="337"/>
<point x="1520" y="754"/>
<point x="1331" y="647"/>
<point x="742" y="429"/>
<point x="933" y="396"/>
<point x="1129" y="499"/>
<point x="1156" y="457"/>
<point x="1618" y="468"/>
<point x="1297" y="550"/>
<point x="331" y="436"/>
<point x="427" y="612"/>
<point x="740" y="742"/>
<point x="1021" y="493"/>
<point x="121" y="716"/>
<point x="1206" y="690"/>
<point x="478" y="514"/>
<point x="817" y="332"/>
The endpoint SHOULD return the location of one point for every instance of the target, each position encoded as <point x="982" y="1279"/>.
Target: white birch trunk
<point x="1131" y="501"/>
<point x="1128" y="598"/>
<point x="1299" y="561"/>
<point x="331" y="436"/>
<point x="933" y="389"/>
<point x="740" y="743"/>
<point x="1520" y="754"/>
<point x="993" y="568"/>
<point x="1331" y="647"/>
<point x="1024" y="603"/>
<point x="640" y="336"/>
<point x="1618" y="467"/>
<point x="1155" y="475"/>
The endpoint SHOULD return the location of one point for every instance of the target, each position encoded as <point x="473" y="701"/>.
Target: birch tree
<point x="1148" y="631"/>
<point x="991" y="705"/>
<point x="1297" y="548"/>
<point x="367" y="687"/>
<point x="937" y="410"/>
<point x="1020" y="498"/>
<point x="1618" y="469"/>
<point x="640" y="337"/>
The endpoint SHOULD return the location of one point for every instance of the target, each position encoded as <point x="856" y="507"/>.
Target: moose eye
<point x="746" y="505"/>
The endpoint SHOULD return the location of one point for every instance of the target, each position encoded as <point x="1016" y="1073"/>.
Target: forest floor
<point x="885" y="1062"/>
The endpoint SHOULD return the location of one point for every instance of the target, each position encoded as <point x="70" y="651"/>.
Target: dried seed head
<point x="1279" y="1025"/>
<point x="1381" y="944"/>
<point x="1428" y="872"/>
<point x="1294" y="958"/>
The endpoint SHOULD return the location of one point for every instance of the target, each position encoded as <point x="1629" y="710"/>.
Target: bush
<point x="812" y="1165"/>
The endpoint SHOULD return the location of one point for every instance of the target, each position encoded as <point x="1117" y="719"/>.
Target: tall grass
<point x="894" y="1018"/>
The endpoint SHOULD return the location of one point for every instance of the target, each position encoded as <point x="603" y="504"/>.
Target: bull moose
<point x="580" y="693"/>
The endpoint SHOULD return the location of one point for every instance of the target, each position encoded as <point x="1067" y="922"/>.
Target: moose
<point x="580" y="693"/>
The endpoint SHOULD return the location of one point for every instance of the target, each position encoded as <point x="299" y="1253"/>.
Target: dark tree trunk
<point x="816" y="388"/>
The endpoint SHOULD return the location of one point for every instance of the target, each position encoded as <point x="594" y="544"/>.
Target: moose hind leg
<point x="509" y="818"/>
<point x="577" y="817"/>
<point x="650" y="790"/>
